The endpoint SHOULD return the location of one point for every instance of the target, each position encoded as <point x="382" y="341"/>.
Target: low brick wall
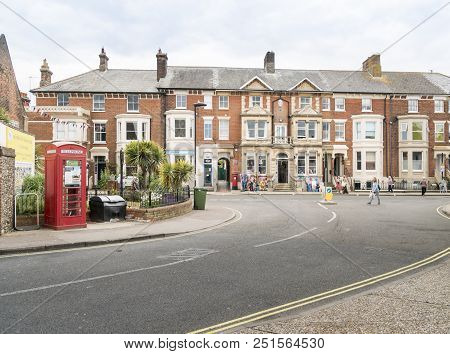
<point x="161" y="213"/>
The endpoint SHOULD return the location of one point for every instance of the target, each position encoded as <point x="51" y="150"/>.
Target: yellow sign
<point x="328" y="194"/>
<point x="22" y="143"/>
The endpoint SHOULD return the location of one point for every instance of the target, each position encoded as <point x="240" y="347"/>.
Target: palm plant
<point x="147" y="156"/>
<point x="174" y="175"/>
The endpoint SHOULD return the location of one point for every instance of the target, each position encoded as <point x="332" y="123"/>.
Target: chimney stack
<point x="269" y="62"/>
<point x="46" y="74"/>
<point x="103" y="60"/>
<point x="373" y="65"/>
<point x="161" y="65"/>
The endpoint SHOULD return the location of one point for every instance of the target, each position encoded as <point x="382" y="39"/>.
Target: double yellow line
<point x="221" y="327"/>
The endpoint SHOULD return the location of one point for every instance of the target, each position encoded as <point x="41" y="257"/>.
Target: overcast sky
<point x="303" y="34"/>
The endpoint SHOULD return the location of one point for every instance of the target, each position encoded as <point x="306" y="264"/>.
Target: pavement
<point x="416" y="304"/>
<point x="112" y="232"/>
<point x="398" y="193"/>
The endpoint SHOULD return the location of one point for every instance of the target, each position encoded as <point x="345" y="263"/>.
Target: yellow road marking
<point x="328" y="294"/>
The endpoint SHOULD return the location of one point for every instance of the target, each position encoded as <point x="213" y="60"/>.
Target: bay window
<point x="370" y="161"/>
<point x="417" y="130"/>
<point x="370" y="130"/>
<point x="261" y="129"/>
<point x="417" y="160"/>
<point x="358" y="130"/>
<point x="301" y="129"/>
<point x="404" y="131"/>
<point x="251" y="129"/>
<point x="312" y="125"/>
<point x="131" y="131"/>
<point x="404" y="161"/>
<point x="180" y="128"/>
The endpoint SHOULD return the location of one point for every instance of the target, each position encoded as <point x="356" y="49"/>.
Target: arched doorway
<point x="282" y="168"/>
<point x="223" y="172"/>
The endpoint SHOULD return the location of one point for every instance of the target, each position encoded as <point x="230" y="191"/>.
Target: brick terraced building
<point x="281" y="125"/>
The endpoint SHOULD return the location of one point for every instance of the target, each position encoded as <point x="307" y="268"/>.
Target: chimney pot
<point x="103" y="60"/>
<point x="161" y="65"/>
<point x="373" y="65"/>
<point x="269" y="62"/>
<point x="46" y="74"/>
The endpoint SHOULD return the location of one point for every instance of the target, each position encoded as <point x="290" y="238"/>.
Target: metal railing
<point x="27" y="207"/>
<point x="149" y="198"/>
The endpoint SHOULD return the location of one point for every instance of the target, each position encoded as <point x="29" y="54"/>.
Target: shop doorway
<point x="283" y="168"/>
<point x="338" y="165"/>
<point x="223" y="170"/>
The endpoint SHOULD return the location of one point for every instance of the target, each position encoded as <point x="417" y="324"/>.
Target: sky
<point x="303" y="34"/>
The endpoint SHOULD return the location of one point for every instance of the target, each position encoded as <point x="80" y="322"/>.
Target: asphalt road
<point x="282" y="248"/>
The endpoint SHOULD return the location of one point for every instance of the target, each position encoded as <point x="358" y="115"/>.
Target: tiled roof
<point x="216" y="78"/>
<point x="113" y="80"/>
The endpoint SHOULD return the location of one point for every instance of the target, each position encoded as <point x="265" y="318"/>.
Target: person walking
<point x="390" y="184"/>
<point x="375" y="191"/>
<point x="423" y="184"/>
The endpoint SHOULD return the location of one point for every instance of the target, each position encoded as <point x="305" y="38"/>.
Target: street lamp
<point x="196" y="105"/>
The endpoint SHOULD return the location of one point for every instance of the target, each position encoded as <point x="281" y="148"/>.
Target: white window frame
<point x="404" y="127"/>
<point x="421" y="160"/>
<point x="248" y="130"/>
<point x="250" y="156"/>
<point x="304" y="129"/>
<point x="336" y="124"/>
<point x="312" y="156"/>
<point x="403" y="161"/>
<point x="374" y="130"/>
<point x="366" y="104"/>
<point x="326" y="104"/>
<point x="439" y="106"/>
<point x="326" y="132"/>
<point x="224" y="102"/>
<point x="98" y="102"/>
<point x="305" y="101"/>
<point x="181" y="101"/>
<point x="358" y="160"/>
<point x="301" y="156"/>
<point x="312" y="123"/>
<point x="358" y="130"/>
<point x="136" y="124"/>
<point x="253" y="100"/>
<point x="132" y="103"/>
<point x="261" y="156"/>
<point x="339" y="101"/>
<point x="208" y="99"/>
<point x="60" y="134"/>
<point x="100" y="133"/>
<point x="175" y="128"/>
<point x="224" y="129"/>
<point x="441" y="124"/>
<point x="263" y="129"/>
<point x="413" y="105"/>
<point x="374" y="160"/>
<point x="421" y="131"/>
<point x="64" y="101"/>
<point x="207" y="122"/>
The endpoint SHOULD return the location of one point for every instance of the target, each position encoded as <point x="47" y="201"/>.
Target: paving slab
<point x="109" y="232"/>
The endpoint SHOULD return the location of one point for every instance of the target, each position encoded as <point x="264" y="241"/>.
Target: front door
<point x="282" y="171"/>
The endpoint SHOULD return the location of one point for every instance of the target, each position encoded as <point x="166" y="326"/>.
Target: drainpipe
<point x="163" y="116"/>
<point x="391" y="122"/>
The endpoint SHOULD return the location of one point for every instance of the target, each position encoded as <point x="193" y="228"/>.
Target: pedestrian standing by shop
<point x="390" y="184"/>
<point x="375" y="191"/>
<point x="423" y="184"/>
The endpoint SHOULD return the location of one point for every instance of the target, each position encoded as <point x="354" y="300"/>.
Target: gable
<point x="255" y="84"/>
<point x="305" y="85"/>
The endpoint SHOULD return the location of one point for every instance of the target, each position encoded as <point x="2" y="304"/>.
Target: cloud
<point x="304" y="35"/>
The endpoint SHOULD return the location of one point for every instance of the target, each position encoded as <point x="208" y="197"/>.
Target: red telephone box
<point x="65" y="186"/>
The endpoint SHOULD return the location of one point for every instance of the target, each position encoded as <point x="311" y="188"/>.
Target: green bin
<point x="199" y="198"/>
